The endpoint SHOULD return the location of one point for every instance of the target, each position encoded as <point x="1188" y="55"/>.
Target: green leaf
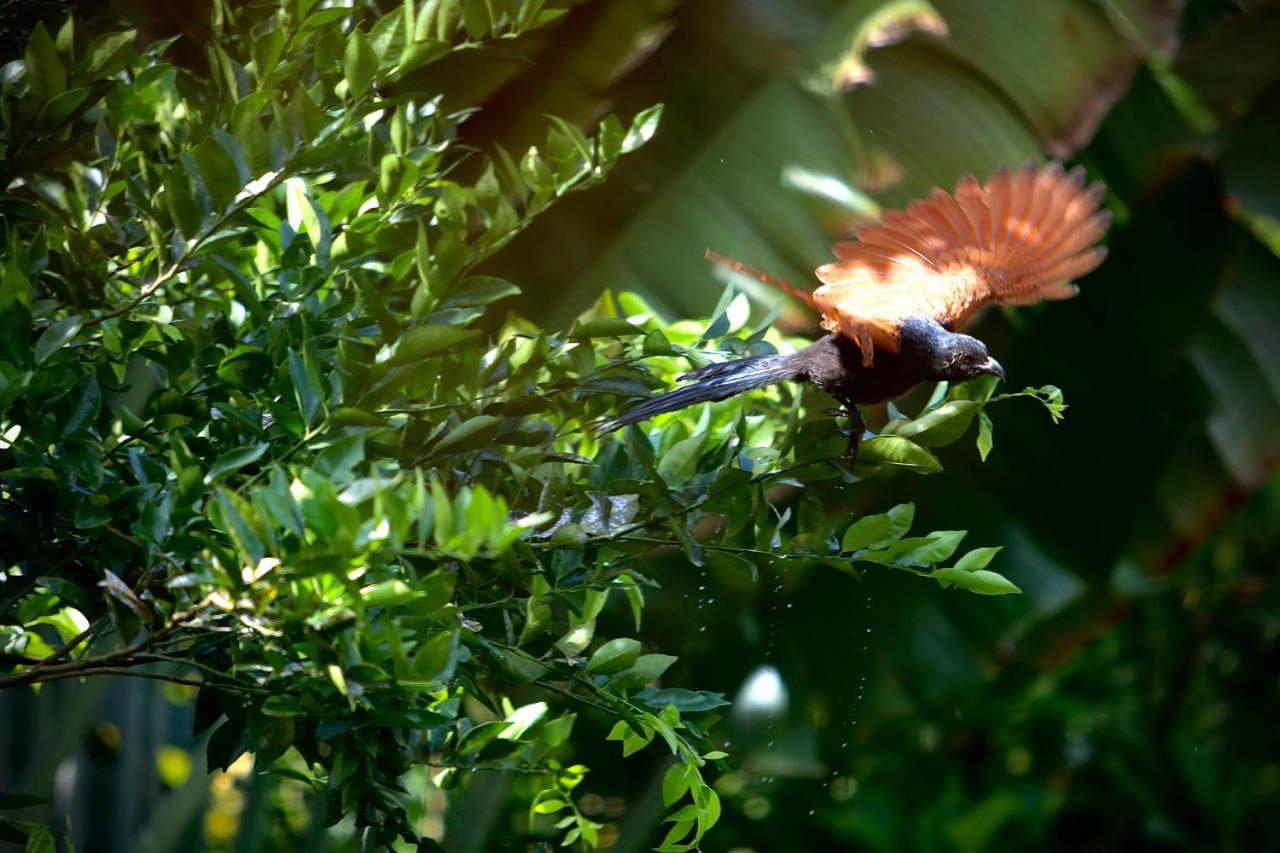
<point x="549" y="806"/>
<point x="981" y="581"/>
<point x="219" y="171"/>
<point x="110" y="52"/>
<point x="614" y="656"/>
<point x="479" y="290"/>
<point x="359" y="64"/>
<point x="241" y="521"/>
<point x="608" y="327"/>
<point x="939" y="546"/>
<point x="40" y="840"/>
<point x="419" y="342"/>
<point x="234" y="460"/>
<point x="387" y="593"/>
<point x="475" y="18"/>
<point x="20" y="801"/>
<point x="942" y="426"/>
<point x="338" y="459"/>
<point x="518" y="666"/>
<point x="86" y="410"/>
<point x="899" y="452"/>
<point x="481" y="736"/>
<point x="646" y="668"/>
<point x="306" y="387"/>
<point x="93" y="512"/>
<point x="471" y="434"/>
<point x="55" y="337"/>
<point x="46" y="77"/>
<point x="349" y="416"/>
<point x="978" y="558"/>
<point x="878" y="531"/>
<point x="985" y="429"/>
<point x="537" y="616"/>
<point x="435" y="658"/>
<point x="436" y="591"/>
<point x="643" y="127"/>
<point x="635" y="597"/>
<point x="684" y="701"/>
<point x="678" y="464"/>
<point x="57" y="110"/>
<point x="610" y="136"/>
<point x="522" y="719"/>
<point x="674" y="784"/>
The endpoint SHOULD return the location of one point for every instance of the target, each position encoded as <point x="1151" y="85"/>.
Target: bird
<point x="894" y="300"/>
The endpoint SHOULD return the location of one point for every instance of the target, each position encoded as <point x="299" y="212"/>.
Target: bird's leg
<point x="856" y="427"/>
<point x="855" y="436"/>
<point x="835" y="412"/>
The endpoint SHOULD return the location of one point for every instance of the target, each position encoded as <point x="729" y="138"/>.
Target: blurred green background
<point x="1128" y="700"/>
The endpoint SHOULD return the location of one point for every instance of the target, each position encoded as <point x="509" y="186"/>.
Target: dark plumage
<point x="834" y="364"/>
<point x="894" y="298"/>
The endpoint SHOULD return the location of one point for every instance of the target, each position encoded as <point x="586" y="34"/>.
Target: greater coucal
<point x="896" y="296"/>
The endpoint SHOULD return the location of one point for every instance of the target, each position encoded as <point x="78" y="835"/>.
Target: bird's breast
<point x="835" y="366"/>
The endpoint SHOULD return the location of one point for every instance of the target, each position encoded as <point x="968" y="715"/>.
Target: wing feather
<point x="1017" y="240"/>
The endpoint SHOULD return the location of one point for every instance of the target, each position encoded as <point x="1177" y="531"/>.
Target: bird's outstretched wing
<point x="1016" y="240"/>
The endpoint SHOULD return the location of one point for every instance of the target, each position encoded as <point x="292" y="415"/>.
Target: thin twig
<point x="70" y="645"/>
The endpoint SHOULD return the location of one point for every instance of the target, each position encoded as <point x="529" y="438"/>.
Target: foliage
<point x="264" y="435"/>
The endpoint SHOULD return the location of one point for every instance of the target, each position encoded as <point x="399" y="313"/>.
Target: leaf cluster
<point x="258" y="433"/>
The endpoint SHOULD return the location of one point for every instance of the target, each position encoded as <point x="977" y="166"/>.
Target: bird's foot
<point x="857" y="428"/>
<point x="837" y="413"/>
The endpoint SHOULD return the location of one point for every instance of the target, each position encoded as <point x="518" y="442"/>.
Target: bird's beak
<point x="994" y="367"/>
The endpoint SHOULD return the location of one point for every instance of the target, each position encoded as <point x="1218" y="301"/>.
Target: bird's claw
<point x="854" y="433"/>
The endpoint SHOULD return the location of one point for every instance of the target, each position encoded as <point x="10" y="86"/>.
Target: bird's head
<point x="959" y="357"/>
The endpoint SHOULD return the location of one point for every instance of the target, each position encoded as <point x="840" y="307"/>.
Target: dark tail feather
<point x="713" y="382"/>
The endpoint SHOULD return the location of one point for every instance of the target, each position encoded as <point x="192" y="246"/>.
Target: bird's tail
<point x="714" y="382"/>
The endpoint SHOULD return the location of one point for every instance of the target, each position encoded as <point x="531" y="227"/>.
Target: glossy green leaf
<point x="419" y="342"/>
<point x="234" y="460"/>
<point x="46" y="75"/>
<point x="898" y="452"/>
<point x="981" y="581"/>
<point x="359" y="64"/>
<point x="55" y="337"/>
<point x="614" y="656"/>
<point x="471" y="434"/>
